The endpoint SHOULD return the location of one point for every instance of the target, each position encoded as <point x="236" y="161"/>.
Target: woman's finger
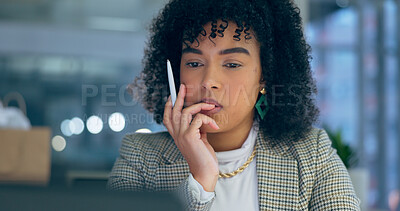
<point x="187" y="113"/>
<point x="177" y="109"/>
<point x="201" y="119"/>
<point x="167" y="116"/>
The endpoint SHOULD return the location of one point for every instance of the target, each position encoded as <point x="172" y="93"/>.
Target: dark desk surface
<point x="61" y="198"/>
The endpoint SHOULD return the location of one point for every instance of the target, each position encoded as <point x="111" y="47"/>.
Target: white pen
<point x="171" y="82"/>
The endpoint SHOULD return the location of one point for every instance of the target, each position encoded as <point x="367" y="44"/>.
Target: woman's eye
<point x="232" y="65"/>
<point x="193" y="64"/>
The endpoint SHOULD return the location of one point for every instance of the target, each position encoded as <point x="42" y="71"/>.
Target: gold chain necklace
<point x="241" y="168"/>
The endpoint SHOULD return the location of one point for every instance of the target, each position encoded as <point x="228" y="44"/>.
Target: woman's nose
<point x="212" y="78"/>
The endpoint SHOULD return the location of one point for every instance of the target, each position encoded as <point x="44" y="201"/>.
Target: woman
<point x="240" y="135"/>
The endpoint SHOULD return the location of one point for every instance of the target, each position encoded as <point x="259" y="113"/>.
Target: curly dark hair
<point x="285" y="57"/>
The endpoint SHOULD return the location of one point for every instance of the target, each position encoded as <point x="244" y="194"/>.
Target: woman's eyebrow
<point x="192" y="50"/>
<point x="223" y="52"/>
<point x="234" y="50"/>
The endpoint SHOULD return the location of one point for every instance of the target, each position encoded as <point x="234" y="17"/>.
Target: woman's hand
<point x="191" y="142"/>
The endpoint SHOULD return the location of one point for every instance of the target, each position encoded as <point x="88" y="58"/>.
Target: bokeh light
<point x="67" y="127"/>
<point x="58" y="143"/>
<point x="116" y="122"/>
<point x="77" y="125"/>
<point x="94" y="124"/>
<point x="143" y="130"/>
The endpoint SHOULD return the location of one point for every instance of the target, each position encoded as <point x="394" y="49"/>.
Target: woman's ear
<point x="263" y="83"/>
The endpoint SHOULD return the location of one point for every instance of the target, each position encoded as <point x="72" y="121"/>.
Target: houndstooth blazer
<point x="303" y="175"/>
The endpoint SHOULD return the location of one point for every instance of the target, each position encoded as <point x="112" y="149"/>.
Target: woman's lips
<point x="212" y="111"/>
<point x="211" y="101"/>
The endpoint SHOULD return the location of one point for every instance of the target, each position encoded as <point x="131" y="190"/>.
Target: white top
<point x="239" y="192"/>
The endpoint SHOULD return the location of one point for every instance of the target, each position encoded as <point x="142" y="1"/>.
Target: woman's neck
<point x="232" y="139"/>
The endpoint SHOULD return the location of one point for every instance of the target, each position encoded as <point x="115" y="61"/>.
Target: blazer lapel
<point x="277" y="173"/>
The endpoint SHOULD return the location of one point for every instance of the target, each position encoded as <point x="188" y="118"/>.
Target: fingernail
<point x="216" y="125"/>
<point x="169" y="97"/>
<point x="180" y="88"/>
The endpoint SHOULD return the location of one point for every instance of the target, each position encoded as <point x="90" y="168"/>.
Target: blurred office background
<point x="72" y="60"/>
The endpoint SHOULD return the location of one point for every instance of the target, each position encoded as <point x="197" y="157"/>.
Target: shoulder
<point x="315" y="146"/>
<point x="324" y="172"/>
<point x="315" y="139"/>
<point x="149" y="146"/>
<point x="307" y="146"/>
<point x="147" y="140"/>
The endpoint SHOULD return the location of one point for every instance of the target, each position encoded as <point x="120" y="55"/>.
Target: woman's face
<point x="226" y="71"/>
